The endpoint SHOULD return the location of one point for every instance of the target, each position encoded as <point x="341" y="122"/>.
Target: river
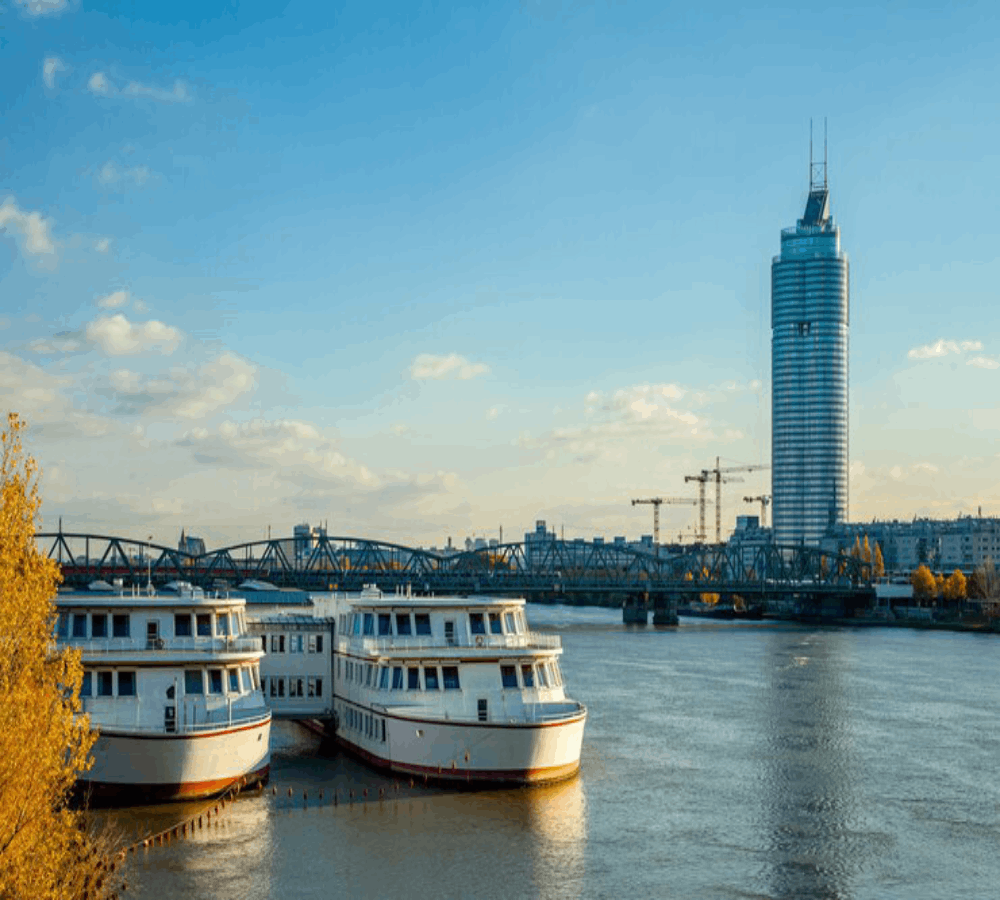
<point x="721" y="760"/>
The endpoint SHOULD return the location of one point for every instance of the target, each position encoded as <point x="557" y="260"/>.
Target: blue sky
<point x="424" y="270"/>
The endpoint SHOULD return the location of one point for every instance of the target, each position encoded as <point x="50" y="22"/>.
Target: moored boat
<point x="172" y="686"/>
<point x="454" y="689"/>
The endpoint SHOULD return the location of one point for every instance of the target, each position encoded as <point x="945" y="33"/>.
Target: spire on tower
<point x="818" y="205"/>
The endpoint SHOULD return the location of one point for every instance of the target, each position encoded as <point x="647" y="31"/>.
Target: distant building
<point x="809" y="355"/>
<point x="191" y="544"/>
<point x="942" y="544"/>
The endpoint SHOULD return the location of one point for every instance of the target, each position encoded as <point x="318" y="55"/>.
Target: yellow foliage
<point x="879" y="562"/>
<point x="44" y="741"/>
<point x="866" y="551"/>
<point x="924" y="583"/>
<point x="954" y="586"/>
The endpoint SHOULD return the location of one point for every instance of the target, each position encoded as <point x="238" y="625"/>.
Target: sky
<point x="421" y="271"/>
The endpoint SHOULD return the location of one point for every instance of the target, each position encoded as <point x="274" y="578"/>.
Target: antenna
<point x="817" y="170"/>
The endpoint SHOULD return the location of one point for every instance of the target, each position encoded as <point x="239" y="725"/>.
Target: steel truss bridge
<point x="540" y="570"/>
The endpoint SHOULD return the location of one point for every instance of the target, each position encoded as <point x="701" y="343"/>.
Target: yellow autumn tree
<point x="924" y="584"/>
<point x="45" y="850"/>
<point x="879" y="561"/>
<point x="955" y="586"/>
<point x="866" y="551"/>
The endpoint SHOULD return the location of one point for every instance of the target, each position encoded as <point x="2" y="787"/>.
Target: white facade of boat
<point x="172" y="686"/>
<point x="453" y="689"/>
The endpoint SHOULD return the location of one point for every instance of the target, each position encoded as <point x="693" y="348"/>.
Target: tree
<point x="954" y="586"/>
<point x="879" y="562"/>
<point x="924" y="585"/>
<point x="975" y="587"/>
<point x="45" y="851"/>
<point x="866" y="551"/>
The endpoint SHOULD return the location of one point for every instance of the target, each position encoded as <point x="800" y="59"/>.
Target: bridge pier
<point x="635" y="610"/>
<point x="665" y="609"/>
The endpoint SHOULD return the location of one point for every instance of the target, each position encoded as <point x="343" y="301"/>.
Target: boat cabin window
<point x="383" y="680"/>
<point x="423" y="623"/>
<point x="315" y="687"/>
<point x="356" y="629"/>
<point x="182" y="625"/>
<point x="543" y="680"/>
<point x="449" y="632"/>
<point x="449" y="675"/>
<point x="234" y="681"/>
<point x="194" y="682"/>
<point x="120" y="625"/>
<point x="126" y="684"/>
<point x="509" y="619"/>
<point x="247" y="680"/>
<point x="476" y="623"/>
<point x="215" y="681"/>
<point x="430" y="678"/>
<point x="85" y="687"/>
<point x="483" y="710"/>
<point x="403" y="624"/>
<point x="413" y="679"/>
<point x="277" y="643"/>
<point x="256" y="678"/>
<point x="384" y="624"/>
<point x="528" y="676"/>
<point x="496" y="627"/>
<point x="295" y="687"/>
<point x="105" y="688"/>
<point x="508" y="676"/>
<point x="368" y="675"/>
<point x="397" y="678"/>
<point x="295" y="643"/>
<point x="99" y="625"/>
<point x="222" y="623"/>
<point x="204" y="624"/>
<point x="556" y="673"/>
<point x="79" y="625"/>
<point x="62" y="625"/>
<point x="369" y="629"/>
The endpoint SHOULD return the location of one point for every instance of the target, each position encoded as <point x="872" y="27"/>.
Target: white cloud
<point x="55" y="346"/>
<point x="191" y="392"/>
<point x="103" y="86"/>
<point x="428" y="367"/>
<point x="52" y="66"/>
<point x="117" y="336"/>
<point x="99" y="84"/>
<point x="103" y="245"/>
<point x="643" y="401"/>
<point x="42" y="7"/>
<point x="113" y="301"/>
<point x="942" y="347"/>
<point x="112" y="174"/>
<point x="983" y="362"/>
<point x="292" y="450"/>
<point x="32" y="233"/>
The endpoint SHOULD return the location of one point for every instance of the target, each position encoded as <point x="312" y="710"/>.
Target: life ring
<point x="479" y="640"/>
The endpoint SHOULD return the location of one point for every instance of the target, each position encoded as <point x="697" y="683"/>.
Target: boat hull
<point x="152" y="768"/>
<point x="473" y="753"/>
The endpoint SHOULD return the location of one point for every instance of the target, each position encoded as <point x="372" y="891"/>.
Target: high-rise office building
<point x="809" y="343"/>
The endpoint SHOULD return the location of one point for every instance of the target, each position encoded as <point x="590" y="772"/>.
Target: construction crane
<point x="716" y="475"/>
<point x="655" y="502"/>
<point x="764" y="499"/>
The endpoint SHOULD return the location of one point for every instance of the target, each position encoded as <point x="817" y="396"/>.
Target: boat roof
<point x="147" y="601"/>
<point x="395" y="601"/>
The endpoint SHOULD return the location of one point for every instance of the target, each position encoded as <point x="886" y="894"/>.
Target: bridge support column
<point x="665" y="609"/>
<point x="635" y="610"/>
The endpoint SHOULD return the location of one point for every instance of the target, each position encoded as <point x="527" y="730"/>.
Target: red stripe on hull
<point x="110" y="794"/>
<point x="477" y="777"/>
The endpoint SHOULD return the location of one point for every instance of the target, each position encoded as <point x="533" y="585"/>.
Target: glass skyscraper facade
<point x="809" y="376"/>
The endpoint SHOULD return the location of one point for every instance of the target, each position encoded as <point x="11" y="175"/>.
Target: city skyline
<point x="433" y="272"/>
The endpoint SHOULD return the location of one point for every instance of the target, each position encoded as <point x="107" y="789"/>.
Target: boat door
<point x="449" y="632"/>
<point x="170" y="713"/>
<point x="153" y="635"/>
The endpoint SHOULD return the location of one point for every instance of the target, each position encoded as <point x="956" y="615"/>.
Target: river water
<point x="721" y="760"/>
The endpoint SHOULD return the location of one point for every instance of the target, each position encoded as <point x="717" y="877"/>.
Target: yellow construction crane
<point x="655" y="502"/>
<point x="764" y="500"/>
<point x="715" y="475"/>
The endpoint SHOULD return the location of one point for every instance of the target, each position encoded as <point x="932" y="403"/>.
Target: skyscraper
<point x="809" y="372"/>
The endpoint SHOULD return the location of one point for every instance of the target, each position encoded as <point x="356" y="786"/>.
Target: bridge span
<point x="572" y="571"/>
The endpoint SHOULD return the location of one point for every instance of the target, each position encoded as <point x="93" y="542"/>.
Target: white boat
<point x="454" y="689"/>
<point x="172" y="686"/>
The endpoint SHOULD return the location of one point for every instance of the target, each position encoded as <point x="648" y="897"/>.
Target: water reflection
<point x="811" y="810"/>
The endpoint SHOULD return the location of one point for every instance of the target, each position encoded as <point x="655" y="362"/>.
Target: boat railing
<point x="531" y="640"/>
<point x="221" y="644"/>
<point x="211" y="720"/>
